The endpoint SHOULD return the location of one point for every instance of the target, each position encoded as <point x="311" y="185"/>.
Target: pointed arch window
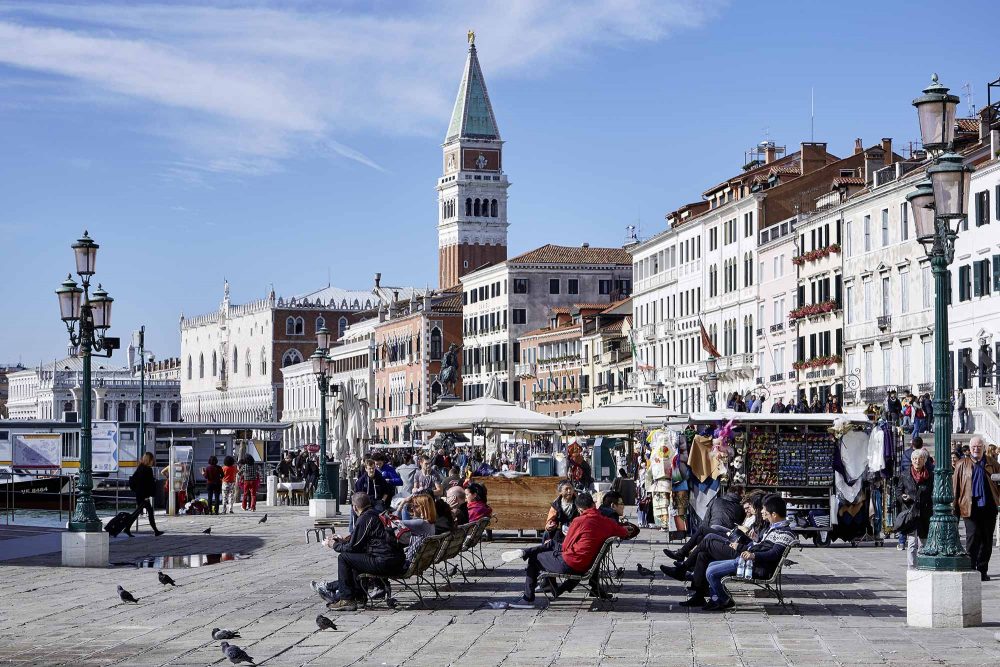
<point x="320" y="322"/>
<point x="190" y="368"/>
<point x="236" y="362"/>
<point x="476" y="210"/>
<point x="215" y="364"/>
<point x="290" y="326"/>
<point x="493" y="208"/>
<point x="436" y="344"/>
<point x="201" y="365"/>
<point x="468" y="206"/>
<point x="291" y="357"/>
<point x="247" y="364"/>
<point x="341" y="327"/>
<point x="263" y="362"/>
<point x="300" y="326"/>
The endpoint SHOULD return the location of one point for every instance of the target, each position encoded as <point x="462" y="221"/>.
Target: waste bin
<point x="333" y="481"/>
<point x="542" y="466"/>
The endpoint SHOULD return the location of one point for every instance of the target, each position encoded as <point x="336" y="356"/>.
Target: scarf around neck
<point x="920" y="476"/>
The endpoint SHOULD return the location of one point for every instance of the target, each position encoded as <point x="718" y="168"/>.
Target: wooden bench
<point x="772" y="584"/>
<point x="602" y="579"/>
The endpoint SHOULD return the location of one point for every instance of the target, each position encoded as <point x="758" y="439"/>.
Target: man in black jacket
<point x="723" y="513"/>
<point x="367" y="550"/>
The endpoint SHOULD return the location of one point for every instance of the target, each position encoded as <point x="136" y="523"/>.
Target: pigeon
<point x="645" y="571"/>
<point x="235" y="654"/>
<point x="165" y="579"/>
<point x="323" y="623"/>
<point x="263" y="519"/>
<point x="125" y="595"/>
<point x="207" y="531"/>
<point x="222" y="633"/>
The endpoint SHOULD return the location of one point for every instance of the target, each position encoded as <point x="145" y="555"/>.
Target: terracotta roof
<point x="967" y="124"/>
<point x="617" y="304"/>
<point x="451" y="303"/>
<point x="549" y="330"/>
<point x="764" y="168"/>
<point x="556" y="310"/>
<point x="785" y="169"/>
<point x="556" y="254"/>
<point x="848" y="180"/>
<point x="614" y="327"/>
<point x="591" y="306"/>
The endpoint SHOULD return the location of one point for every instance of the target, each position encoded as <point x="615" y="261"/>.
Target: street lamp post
<point x="943" y="591"/>
<point x="323" y="498"/>
<point x="87" y="318"/>
<point x="711" y="381"/>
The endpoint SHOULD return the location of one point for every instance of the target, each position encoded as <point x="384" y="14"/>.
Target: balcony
<point x="791" y="375"/>
<point x="760" y="332"/>
<point x="875" y="394"/>
<point x="775" y="328"/>
<point x="665" y="328"/>
<point x="646" y="332"/>
<point x="926" y="387"/>
<point x="884" y="322"/>
<point x="525" y="370"/>
<point x="760" y="381"/>
<point x="666" y="375"/>
<point x="777" y="377"/>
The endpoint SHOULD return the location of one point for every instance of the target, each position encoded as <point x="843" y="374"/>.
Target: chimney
<point x="378" y="280"/>
<point x="381" y="312"/>
<point x="770" y="152"/>
<point x="427" y="301"/>
<point x="858" y="148"/>
<point x="585" y="245"/>
<point x="413" y="302"/>
<point x="812" y="156"/>
<point x="887" y="159"/>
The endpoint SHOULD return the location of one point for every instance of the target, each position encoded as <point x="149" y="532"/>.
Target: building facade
<point x="54" y="392"/>
<point x="411" y="340"/>
<point x="503" y="302"/>
<point x="776" y="340"/>
<point x="472" y="191"/>
<point x="232" y="358"/>
<point x="549" y="368"/>
<point x="609" y="375"/>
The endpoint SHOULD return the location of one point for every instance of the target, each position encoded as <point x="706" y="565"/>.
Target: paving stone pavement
<point x="848" y="609"/>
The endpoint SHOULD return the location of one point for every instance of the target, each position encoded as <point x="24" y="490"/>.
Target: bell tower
<point x="472" y="192"/>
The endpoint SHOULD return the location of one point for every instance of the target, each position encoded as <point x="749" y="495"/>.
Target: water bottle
<point x="741" y="567"/>
<point x="748" y="569"/>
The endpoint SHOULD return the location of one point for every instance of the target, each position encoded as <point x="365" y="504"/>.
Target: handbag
<point x="906" y="521"/>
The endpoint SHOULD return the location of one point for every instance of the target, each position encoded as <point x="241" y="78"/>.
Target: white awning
<point x="487" y="413"/>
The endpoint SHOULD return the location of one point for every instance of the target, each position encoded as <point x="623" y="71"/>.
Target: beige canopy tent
<point x="620" y="418"/>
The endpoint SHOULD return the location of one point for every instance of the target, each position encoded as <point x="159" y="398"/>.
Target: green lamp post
<point x="87" y="318"/>
<point x="940" y="205"/>
<point x="321" y="369"/>
<point x="711" y="381"/>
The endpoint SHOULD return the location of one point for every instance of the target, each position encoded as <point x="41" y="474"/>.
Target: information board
<point x="37" y="450"/>
<point x="104" y="445"/>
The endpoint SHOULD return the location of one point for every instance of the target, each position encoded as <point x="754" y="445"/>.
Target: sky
<point x="298" y="143"/>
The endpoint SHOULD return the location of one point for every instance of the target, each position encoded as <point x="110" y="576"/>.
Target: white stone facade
<point x="54" y="389"/>
<point x="776" y="280"/>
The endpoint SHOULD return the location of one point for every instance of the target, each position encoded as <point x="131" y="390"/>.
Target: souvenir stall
<point x="827" y="466"/>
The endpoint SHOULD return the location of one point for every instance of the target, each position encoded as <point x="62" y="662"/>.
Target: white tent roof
<point x="818" y="419"/>
<point x="621" y="417"/>
<point x="485" y="413"/>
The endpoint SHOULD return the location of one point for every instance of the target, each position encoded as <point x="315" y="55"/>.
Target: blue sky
<point x="279" y="143"/>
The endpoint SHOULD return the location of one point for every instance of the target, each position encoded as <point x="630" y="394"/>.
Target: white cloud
<point x="239" y="88"/>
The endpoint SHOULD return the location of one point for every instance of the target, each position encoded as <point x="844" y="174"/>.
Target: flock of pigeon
<point x="235" y="654"/>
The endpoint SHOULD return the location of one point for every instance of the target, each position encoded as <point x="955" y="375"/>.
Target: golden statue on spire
<point x="472" y="37"/>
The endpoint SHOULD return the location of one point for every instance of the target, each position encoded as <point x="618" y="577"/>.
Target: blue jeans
<point x="716" y="571"/>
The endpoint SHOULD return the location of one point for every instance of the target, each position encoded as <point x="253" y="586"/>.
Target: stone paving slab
<point x="848" y="608"/>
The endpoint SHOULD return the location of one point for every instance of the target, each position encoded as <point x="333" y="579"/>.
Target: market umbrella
<point x="485" y="413"/>
<point x="624" y="417"/>
<point x="341" y="444"/>
<point x="492" y="388"/>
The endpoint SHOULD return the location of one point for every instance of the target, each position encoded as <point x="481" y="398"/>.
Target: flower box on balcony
<point x="817" y="362"/>
<point x="818" y="253"/>
<point x="811" y="310"/>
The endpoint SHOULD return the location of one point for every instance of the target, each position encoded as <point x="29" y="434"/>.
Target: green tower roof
<point x="473" y="115"/>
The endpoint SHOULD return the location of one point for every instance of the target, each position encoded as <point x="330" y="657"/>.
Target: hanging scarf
<point x="920" y="476"/>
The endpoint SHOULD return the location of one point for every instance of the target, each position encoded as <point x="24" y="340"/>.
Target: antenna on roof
<point x="967" y="88"/>
<point x="812" y="114"/>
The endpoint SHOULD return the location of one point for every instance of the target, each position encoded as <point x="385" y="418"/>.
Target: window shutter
<point x="986" y="207"/>
<point x="801" y="349"/>
<point x="996" y="202"/>
<point x="840" y="342"/>
<point x="996" y="272"/>
<point x="801" y="296"/>
<point x="976" y="280"/>
<point x="839" y="291"/>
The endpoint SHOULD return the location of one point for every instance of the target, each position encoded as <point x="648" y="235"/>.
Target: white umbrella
<point x="492" y="388"/>
<point x="485" y="413"/>
<point x="341" y="443"/>
<point x="623" y="417"/>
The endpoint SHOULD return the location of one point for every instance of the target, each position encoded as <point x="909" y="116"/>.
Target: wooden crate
<point x="521" y="503"/>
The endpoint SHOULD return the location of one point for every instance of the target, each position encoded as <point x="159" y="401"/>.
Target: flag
<point x="706" y="342"/>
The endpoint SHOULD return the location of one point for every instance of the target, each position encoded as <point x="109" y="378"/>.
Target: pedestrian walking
<point x="915" y="491"/>
<point x="143" y="485"/>
<point x="213" y="483"/>
<point x="962" y="410"/>
<point x="977" y="495"/>
<point x="250" y="483"/>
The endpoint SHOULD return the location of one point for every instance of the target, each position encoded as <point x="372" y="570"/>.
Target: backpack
<point x="396" y="534"/>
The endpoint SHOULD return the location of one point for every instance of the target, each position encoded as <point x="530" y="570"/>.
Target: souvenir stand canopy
<point x="792" y="454"/>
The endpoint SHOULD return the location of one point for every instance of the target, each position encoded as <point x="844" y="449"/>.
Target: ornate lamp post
<point x="323" y="499"/>
<point x="711" y="381"/>
<point x="940" y="593"/>
<point x="87" y="317"/>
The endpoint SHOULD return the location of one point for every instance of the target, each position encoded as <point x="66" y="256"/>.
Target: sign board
<point x="312" y="448"/>
<point x="37" y="450"/>
<point x="104" y="445"/>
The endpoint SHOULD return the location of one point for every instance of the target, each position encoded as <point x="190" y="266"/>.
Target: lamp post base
<point x="323" y="509"/>
<point x="938" y="599"/>
<point x="85" y="549"/>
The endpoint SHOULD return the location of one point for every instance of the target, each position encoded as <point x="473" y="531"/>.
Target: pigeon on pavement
<point x="222" y="633"/>
<point x="165" y="579"/>
<point x="263" y="519"/>
<point x="323" y="623"/>
<point x="125" y="595"/>
<point x="235" y="654"/>
<point x="207" y="531"/>
<point x="645" y="571"/>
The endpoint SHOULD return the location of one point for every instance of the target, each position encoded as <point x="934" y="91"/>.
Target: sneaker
<point x="521" y="603"/>
<point x="342" y="605"/>
<point x="513" y="554"/>
<point x="328" y="595"/>
<point x="378" y="594"/>
<point x="900" y="547"/>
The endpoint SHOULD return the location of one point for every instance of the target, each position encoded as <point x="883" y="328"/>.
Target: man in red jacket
<point x="583" y="541"/>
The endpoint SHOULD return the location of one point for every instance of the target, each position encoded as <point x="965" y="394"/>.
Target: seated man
<point x="723" y="514"/>
<point x="736" y="539"/>
<point x="367" y="550"/>
<point x="575" y="555"/>
<point x="765" y="554"/>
